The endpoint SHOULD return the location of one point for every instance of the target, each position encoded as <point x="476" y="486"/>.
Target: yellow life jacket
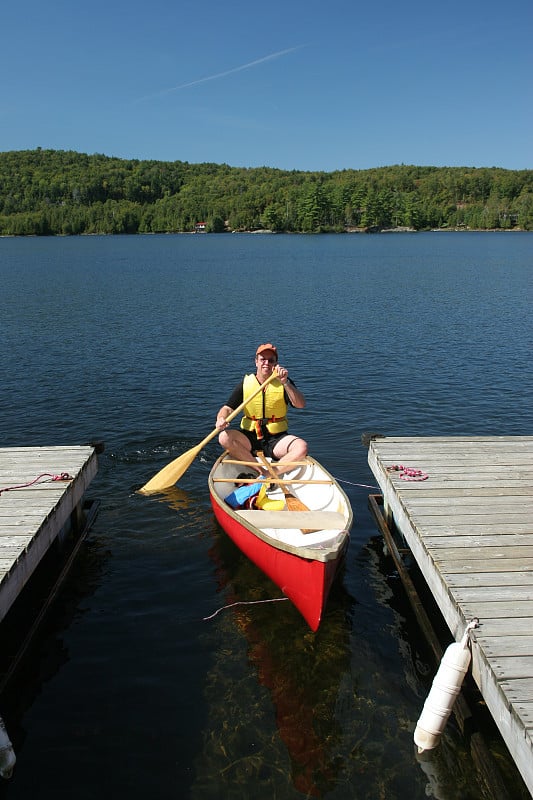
<point x="269" y="407"/>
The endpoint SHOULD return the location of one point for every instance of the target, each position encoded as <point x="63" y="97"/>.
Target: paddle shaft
<point x="293" y="503"/>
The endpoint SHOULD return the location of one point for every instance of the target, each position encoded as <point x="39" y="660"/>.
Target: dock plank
<point x="509" y="646"/>
<point x="479" y="593"/>
<point x="515" y="626"/>
<point x="469" y="526"/>
<point x="501" y="609"/>
<point x="486" y="540"/>
<point x="486" y="580"/>
<point x="520" y="691"/>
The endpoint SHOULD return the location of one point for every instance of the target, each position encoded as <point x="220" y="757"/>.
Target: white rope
<point x="244" y="603"/>
<point x="362" y="485"/>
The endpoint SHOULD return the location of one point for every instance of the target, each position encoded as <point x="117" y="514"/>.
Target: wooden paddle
<point x="170" y="474"/>
<point x="293" y="503"/>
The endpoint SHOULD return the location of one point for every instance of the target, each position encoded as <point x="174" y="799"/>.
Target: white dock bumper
<point x="445" y="688"/>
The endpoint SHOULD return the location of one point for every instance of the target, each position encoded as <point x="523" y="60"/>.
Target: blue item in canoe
<point x="238" y="498"/>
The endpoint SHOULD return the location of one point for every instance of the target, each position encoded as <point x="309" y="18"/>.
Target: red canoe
<point x="300" y="551"/>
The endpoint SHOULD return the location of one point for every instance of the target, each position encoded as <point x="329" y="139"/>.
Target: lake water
<point x="137" y="341"/>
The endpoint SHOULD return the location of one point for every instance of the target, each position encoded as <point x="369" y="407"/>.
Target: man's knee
<point x="229" y="439"/>
<point x="298" y="447"/>
<point x="224" y="439"/>
<point x="295" y="449"/>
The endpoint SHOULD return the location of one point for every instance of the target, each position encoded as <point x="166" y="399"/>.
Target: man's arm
<point x="295" y="396"/>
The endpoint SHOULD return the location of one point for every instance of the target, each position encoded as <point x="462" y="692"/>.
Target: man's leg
<point x="288" y="449"/>
<point x="239" y="447"/>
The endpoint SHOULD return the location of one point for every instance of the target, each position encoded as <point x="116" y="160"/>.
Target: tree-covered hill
<point x="48" y="192"/>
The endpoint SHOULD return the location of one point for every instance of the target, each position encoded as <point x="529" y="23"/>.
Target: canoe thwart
<point x="287" y="464"/>
<point x="271" y="479"/>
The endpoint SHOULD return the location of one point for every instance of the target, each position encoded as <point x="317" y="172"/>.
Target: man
<point x="264" y="423"/>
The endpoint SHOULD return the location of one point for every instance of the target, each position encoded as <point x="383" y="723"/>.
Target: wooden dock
<point x="469" y="525"/>
<point x="46" y="507"/>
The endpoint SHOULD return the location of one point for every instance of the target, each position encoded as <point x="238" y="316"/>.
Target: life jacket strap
<point x="263" y="421"/>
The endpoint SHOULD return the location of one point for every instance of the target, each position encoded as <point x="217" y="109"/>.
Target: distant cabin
<point x="200" y="227"/>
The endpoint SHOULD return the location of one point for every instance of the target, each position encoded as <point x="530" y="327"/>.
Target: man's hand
<point x="222" y="422"/>
<point x="283" y="374"/>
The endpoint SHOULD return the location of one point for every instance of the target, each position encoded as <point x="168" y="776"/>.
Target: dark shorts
<point x="267" y="444"/>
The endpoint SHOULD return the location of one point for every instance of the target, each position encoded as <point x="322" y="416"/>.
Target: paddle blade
<point x="171" y="474"/>
<point x="293" y="504"/>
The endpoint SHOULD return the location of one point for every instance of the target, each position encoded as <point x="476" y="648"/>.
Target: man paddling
<point x="264" y="423"/>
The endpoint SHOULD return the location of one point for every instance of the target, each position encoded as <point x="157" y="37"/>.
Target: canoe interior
<point x="327" y="522"/>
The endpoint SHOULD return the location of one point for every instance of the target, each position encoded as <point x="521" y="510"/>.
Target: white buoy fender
<point x="445" y="688"/>
<point x="7" y="754"/>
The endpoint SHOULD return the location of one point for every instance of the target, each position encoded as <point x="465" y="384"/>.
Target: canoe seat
<point x="312" y="520"/>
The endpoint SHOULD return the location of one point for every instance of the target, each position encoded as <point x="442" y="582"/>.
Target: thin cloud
<point x="224" y="74"/>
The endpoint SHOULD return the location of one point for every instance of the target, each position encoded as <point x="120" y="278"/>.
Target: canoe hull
<point x="304" y="579"/>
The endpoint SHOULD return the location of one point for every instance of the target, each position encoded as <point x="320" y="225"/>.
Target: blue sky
<point x="294" y="85"/>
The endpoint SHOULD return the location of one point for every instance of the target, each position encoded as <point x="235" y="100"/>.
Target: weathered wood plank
<point x="519" y="690"/>
<point x="475" y="529"/>
<point x="510" y="626"/>
<point x="489" y="559"/>
<point x="457" y="489"/>
<point x="23" y="528"/>
<point x="12" y="553"/>
<point x="513" y="666"/>
<point x="478" y="606"/>
<point x="13" y="541"/>
<point x="481" y="540"/>
<point x="472" y="505"/>
<point x="486" y="580"/>
<point x="506" y="646"/>
<point x="477" y="517"/>
<point x="497" y="594"/>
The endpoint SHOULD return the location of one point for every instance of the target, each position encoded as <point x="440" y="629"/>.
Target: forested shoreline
<point x="53" y="192"/>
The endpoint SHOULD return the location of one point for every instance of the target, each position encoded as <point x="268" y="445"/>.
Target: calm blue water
<point x="137" y="341"/>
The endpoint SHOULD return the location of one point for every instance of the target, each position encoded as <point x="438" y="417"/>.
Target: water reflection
<point x="175" y="498"/>
<point x="293" y="738"/>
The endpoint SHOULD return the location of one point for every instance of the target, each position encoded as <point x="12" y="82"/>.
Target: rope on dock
<point x="44" y="477"/>
<point x="408" y="473"/>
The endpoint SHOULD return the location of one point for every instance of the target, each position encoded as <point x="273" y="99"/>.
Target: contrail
<point x="218" y="75"/>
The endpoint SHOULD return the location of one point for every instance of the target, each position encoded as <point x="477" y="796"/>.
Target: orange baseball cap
<point x="267" y="346"/>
